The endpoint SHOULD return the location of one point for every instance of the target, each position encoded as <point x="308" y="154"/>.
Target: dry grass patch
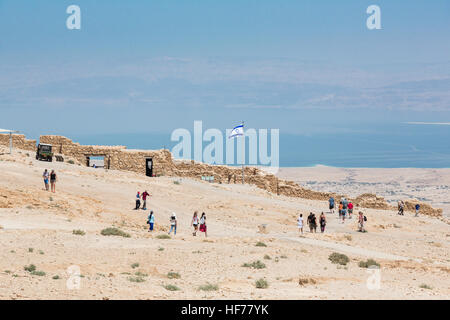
<point x="114" y="232"/>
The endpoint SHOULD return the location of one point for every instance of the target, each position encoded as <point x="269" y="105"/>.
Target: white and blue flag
<point x="237" y="131"/>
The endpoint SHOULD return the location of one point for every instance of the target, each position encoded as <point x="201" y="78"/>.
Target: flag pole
<point x="243" y="151"/>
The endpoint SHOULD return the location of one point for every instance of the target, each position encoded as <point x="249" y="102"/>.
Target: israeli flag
<point x="237" y="131"/>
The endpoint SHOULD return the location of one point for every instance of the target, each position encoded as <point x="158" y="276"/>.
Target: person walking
<point x="138" y="200"/>
<point x="203" y="224"/>
<point x="331" y="204"/>
<point x="361" y="220"/>
<point x="145" y="194"/>
<point x="53" y="179"/>
<point x="45" y="175"/>
<point x="341" y="208"/>
<point x="195" y="223"/>
<point x="350" y="209"/>
<point x="312" y="222"/>
<point x="151" y="221"/>
<point x="300" y="223"/>
<point x="401" y="207"/>
<point x="323" y="222"/>
<point x="173" y="223"/>
<point x="417" y="210"/>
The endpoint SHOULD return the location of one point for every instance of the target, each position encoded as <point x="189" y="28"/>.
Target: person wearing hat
<point x="173" y="223"/>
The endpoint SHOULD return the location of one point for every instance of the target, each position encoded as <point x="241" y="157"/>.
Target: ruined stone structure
<point x="19" y="142"/>
<point x="160" y="163"/>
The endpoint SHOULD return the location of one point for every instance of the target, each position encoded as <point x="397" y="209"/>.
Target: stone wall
<point x="19" y="142"/>
<point x="121" y="158"/>
<point x="116" y="157"/>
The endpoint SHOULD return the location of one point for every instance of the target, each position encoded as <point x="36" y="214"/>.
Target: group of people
<point x="312" y="222"/>
<point x="401" y="208"/>
<point x="199" y="224"/>
<point x="50" y="177"/>
<point x="142" y="196"/>
<point x="345" y="208"/>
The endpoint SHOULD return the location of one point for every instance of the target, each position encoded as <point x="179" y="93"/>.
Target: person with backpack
<point x="331" y="204"/>
<point x="361" y="220"/>
<point x="344" y="209"/>
<point x="312" y="222"/>
<point x="151" y="221"/>
<point x="138" y="200"/>
<point x="417" y="210"/>
<point x="195" y="223"/>
<point x="322" y="222"/>
<point x="203" y="224"/>
<point x="173" y="223"/>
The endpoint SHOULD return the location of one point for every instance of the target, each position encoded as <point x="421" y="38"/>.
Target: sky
<point x="154" y="66"/>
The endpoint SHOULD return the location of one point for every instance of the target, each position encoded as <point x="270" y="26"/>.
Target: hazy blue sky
<point x="302" y="66"/>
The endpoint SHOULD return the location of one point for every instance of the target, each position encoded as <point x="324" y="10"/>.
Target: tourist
<point x="401" y="208"/>
<point x="173" y="223"/>
<point x="53" y="180"/>
<point x="203" y="224"/>
<point x="151" y="221"/>
<point x="138" y="200"/>
<point x="350" y="209"/>
<point x="300" y="223"/>
<point x="341" y="208"/>
<point x="361" y="219"/>
<point x="45" y="175"/>
<point x="195" y="223"/>
<point x="344" y="209"/>
<point x="323" y="222"/>
<point x="331" y="204"/>
<point x="145" y="194"/>
<point x="312" y="222"/>
<point x="417" y="210"/>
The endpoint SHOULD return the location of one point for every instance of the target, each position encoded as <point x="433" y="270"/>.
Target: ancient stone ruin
<point x="156" y="163"/>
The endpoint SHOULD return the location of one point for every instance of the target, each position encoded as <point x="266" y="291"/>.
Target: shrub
<point x="173" y="275"/>
<point x="260" y="244"/>
<point x="56" y="277"/>
<point x="30" y="268"/>
<point x="163" y="236"/>
<point x="338" y="258"/>
<point x="30" y="249"/>
<point x="41" y="252"/>
<point x="135" y="265"/>
<point x="140" y="274"/>
<point x="136" y="279"/>
<point x="79" y="232"/>
<point x="368" y="263"/>
<point x="209" y="287"/>
<point x="176" y="182"/>
<point x="171" y="287"/>
<point x="160" y="249"/>
<point x="38" y="273"/>
<point x="425" y="286"/>
<point x="261" y="284"/>
<point x="267" y="257"/>
<point x="255" y="265"/>
<point x="71" y="161"/>
<point x="114" y="232"/>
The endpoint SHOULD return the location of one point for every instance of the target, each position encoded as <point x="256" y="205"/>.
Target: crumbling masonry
<point x="121" y="158"/>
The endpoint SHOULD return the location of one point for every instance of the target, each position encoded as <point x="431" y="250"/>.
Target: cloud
<point x="430" y="123"/>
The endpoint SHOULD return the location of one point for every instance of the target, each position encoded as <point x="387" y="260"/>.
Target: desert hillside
<point x="54" y="231"/>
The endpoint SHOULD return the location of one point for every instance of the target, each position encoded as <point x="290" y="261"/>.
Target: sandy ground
<point x="36" y="227"/>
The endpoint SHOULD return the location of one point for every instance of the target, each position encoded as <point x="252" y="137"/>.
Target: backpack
<point x="365" y="218"/>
